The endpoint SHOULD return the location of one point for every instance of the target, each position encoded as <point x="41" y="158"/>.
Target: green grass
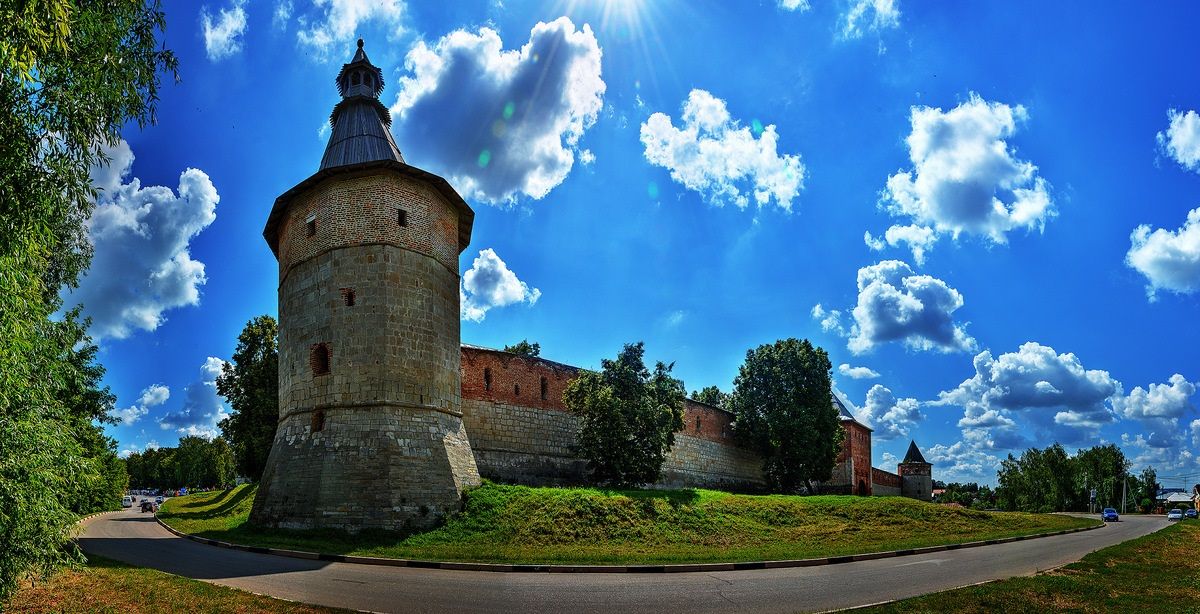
<point x="517" y="524"/>
<point x="1156" y="573"/>
<point x="105" y="585"/>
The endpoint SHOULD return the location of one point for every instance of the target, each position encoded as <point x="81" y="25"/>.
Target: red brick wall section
<point x="885" y="478"/>
<point x="857" y="445"/>
<point x="510" y="371"/>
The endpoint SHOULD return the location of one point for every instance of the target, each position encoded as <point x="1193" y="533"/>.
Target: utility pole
<point x="1124" y="484"/>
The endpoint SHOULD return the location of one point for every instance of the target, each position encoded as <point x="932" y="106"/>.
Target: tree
<point x="251" y="385"/>
<point x="628" y="417"/>
<point x="782" y="403"/>
<point x="524" y="348"/>
<point x="1148" y="485"/>
<point x="711" y="395"/>
<point x="72" y="74"/>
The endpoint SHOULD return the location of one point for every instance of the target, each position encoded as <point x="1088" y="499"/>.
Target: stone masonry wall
<point x="369" y="388"/>
<point x="520" y="435"/>
<point x="884" y="484"/>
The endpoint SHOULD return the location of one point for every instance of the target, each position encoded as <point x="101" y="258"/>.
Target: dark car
<point x="1189" y="513"/>
<point x="1109" y="515"/>
<point x="149" y="506"/>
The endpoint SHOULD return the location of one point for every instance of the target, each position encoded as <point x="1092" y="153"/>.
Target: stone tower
<point x="370" y="428"/>
<point x="916" y="475"/>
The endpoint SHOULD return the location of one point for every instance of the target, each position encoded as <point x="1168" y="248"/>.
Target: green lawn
<point x="517" y="524"/>
<point x="109" y="586"/>
<point x="1156" y="573"/>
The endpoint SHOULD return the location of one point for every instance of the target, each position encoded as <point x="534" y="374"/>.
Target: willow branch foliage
<point x="72" y="74"/>
<point x="628" y="417"/>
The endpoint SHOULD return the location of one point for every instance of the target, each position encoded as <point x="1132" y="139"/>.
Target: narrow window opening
<point x="318" y="420"/>
<point x="697" y="424"/>
<point x="310" y="226"/>
<point x="516" y="390"/>
<point x="544" y="387"/>
<point x="487" y="379"/>
<point x="318" y="359"/>
<point x="355" y="79"/>
<point x="348" y="296"/>
<point x="402" y="217"/>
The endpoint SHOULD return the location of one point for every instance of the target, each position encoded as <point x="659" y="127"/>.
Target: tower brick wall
<point x="916" y="480"/>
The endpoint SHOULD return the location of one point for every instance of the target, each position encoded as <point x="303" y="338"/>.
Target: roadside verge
<point x="669" y="568"/>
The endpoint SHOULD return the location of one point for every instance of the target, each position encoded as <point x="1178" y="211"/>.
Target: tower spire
<point x="360" y="123"/>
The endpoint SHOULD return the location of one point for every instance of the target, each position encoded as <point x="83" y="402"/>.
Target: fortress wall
<point x="884" y="483"/>
<point x="521" y="436"/>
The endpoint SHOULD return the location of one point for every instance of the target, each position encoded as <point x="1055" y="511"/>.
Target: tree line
<point x="72" y="75"/>
<point x="196" y="462"/>
<point x="1050" y="480"/>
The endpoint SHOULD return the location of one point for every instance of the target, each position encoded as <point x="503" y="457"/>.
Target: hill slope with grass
<point x="519" y="524"/>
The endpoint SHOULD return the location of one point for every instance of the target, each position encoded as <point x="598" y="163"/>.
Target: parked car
<point x="1189" y="513"/>
<point x="126" y="501"/>
<point x="1175" y="514"/>
<point x="149" y="506"/>
<point x="1109" y="515"/>
<point x="158" y="500"/>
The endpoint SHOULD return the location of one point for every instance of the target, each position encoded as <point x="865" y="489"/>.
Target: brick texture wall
<point x="884" y="483"/>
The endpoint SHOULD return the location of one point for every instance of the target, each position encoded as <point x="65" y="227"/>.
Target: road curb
<point x="670" y="568"/>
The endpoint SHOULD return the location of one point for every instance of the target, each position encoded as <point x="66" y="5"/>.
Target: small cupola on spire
<point x="360" y="123"/>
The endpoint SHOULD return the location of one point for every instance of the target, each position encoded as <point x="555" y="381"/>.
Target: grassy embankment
<point x="109" y="586"/>
<point x="1156" y="573"/>
<point x="516" y="524"/>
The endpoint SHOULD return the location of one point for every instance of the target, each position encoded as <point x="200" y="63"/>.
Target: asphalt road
<point x="136" y="538"/>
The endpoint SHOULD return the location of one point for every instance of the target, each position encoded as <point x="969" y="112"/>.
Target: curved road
<point x="136" y="538"/>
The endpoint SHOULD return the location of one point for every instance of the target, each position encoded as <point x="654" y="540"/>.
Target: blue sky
<point x="981" y="210"/>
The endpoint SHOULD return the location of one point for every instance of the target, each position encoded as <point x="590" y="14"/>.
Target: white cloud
<point x="918" y="238"/>
<point x="965" y="178"/>
<point x="896" y="304"/>
<point x="223" y="35"/>
<point x="962" y="462"/>
<point x="133" y="447"/>
<point x="202" y="407"/>
<point x="890" y="459"/>
<point x="830" y="319"/>
<point x="142" y="267"/>
<point x="1181" y="140"/>
<point x="890" y="417"/>
<point x="675" y="318"/>
<point x="857" y="372"/>
<point x="152" y="396"/>
<point x="338" y="22"/>
<point x="873" y="15"/>
<point x="721" y="159"/>
<point x="282" y="14"/>
<point x="1061" y="399"/>
<point x="1159" y="408"/>
<point x="795" y="5"/>
<point x="517" y="115"/>
<point x="489" y="283"/>
<point x="1170" y="260"/>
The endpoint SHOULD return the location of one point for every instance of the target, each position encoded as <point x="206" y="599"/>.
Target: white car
<point x="1175" y="514"/>
<point x="127" y="501"/>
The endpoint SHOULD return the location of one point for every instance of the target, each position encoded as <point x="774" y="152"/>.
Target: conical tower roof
<point x="360" y="123"/>
<point x="914" y="455"/>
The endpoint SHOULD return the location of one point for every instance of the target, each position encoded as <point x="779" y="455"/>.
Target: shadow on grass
<point x="676" y="498"/>
<point x="202" y="502"/>
<point x="221" y="510"/>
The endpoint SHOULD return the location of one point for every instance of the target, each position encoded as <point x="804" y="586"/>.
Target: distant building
<point x="916" y="475"/>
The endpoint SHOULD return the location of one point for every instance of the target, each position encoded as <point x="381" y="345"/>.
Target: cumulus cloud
<point x="1170" y="260"/>
<point x="338" y="22"/>
<point x="962" y="462"/>
<point x="890" y="417"/>
<point x="869" y="15"/>
<point x="965" y="177"/>
<point x="154" y="395"/>
<point x="1159" y="408"/>
<point x="223" y="33"/>
<point x="896" y="304"/>
<point x="723" y="160"/>
<point x="142" y="267"/>
<point x="131" y="448"/>
<point x="517" y="116"/>
<point x="489" y="283"/>
<point x="1061" y="399"/>
<point x="202" y="407"/>
<point x="918" y="238"/>
<point x="1181" y="139"/>
<point x="830" y="319"/>
<point x="282" y="14"/>
<point x="857" y="372"/>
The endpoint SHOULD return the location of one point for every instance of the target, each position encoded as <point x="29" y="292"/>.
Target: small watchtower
<point x="370" y="424"/>
<point x="916" y="475"/>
